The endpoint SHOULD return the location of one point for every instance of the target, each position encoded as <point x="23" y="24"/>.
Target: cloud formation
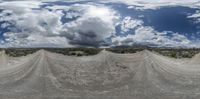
<point x="146" y="35"/>
<point x="128" y="23"/>
<point x="92" y="24"/>
<point x="33" y="24"/>
<point x="27" y="22"/>
<point x="93" y="27"/>
<point x="154" y="4"/>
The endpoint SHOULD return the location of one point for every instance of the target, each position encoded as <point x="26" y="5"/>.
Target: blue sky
<point x="99" y="23"/>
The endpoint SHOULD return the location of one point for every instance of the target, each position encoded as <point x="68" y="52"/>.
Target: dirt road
<point x="142" y="75"/>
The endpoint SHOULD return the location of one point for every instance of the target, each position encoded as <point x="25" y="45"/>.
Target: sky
<point x="99" y="23"/>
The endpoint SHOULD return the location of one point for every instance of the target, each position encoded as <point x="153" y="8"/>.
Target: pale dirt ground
<point x="142" y="75"/>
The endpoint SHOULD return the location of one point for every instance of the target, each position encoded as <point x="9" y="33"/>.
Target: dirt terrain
<point x="142" y="75"/>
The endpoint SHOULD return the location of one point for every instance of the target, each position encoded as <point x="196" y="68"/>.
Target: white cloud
<point x="195" y="16"/>
<point x="34" y="40"/>
<point x="36" y="26"/>
<point x="154" y="4"/>
<point x="128" y="23"/>
<point x="20" y="7"/>
<point x="72" y="15"/>
<point x="147" y="35"/>
<point x="73" y="11"/>
<point x="40" y="22"/>
<point x="4" y="25"/>
<point x="43" y="25"/>
<point x="43" y="41"/>
<point x="93" y="27"/>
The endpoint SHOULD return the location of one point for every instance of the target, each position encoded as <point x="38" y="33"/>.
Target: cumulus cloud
<point x="92" y="24"/>
<point x="34" y="40"/>
<point x="36" y="26"/>
<point x="27" y="23"/>
<point x="93" y="27"/>
<point x="128" y="23"/>
<point x="148" y="36"/>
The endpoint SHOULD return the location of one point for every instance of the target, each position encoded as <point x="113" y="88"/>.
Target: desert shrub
<point x="79" y="54"/>
<point x="171" y="52"/>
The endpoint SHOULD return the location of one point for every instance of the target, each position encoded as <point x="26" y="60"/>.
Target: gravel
<point x="142" y="75"/>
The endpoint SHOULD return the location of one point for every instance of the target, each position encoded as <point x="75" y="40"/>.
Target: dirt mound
<point x="3" y="58"/>
<point x="195" y="59"/>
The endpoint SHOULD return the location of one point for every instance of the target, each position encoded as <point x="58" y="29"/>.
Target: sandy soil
<point x="142" y="75"/>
